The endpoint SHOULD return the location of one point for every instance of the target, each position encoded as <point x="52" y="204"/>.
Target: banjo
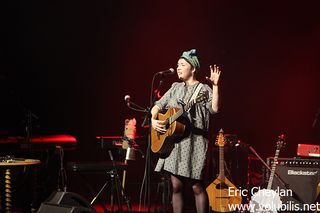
<point x="268" y="200"/>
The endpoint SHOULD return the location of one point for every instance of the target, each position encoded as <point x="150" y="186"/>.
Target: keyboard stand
<point x="115" y="187"/>
<point x="111" y="168"/>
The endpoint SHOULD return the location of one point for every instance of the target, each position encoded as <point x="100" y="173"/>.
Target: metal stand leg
<point x="164" y="187"/>
<point x="119" y="188"/>
<point x="95" y="197"/>
<point x="115" y="183"/>
<point x="115" y="191"/>
<point x="34" y="177"/>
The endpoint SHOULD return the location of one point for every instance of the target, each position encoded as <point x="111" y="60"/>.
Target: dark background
<point x="72" y="62"/>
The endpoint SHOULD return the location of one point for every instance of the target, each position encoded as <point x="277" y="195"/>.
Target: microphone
<point x="133" y="105"/>
<point x="167" y="72"/>
<point x="127" y="99"/>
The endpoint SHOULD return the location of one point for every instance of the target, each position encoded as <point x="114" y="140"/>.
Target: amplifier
<point x="308" y="150"/>
<point x="301" y="178"/>
<point x="297" y="162"/>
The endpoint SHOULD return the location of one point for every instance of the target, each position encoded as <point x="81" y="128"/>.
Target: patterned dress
<point x="188" y="156"/>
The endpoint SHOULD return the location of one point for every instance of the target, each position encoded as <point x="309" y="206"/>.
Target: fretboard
<point x="186" y="107"/>
<point x="221" y="163"/>
<point x="273" y="169"/>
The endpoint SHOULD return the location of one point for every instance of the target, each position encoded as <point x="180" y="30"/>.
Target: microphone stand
<point x="146" y="121"/>
<point x="146" y="183"/>
<point x="29" y="116"/>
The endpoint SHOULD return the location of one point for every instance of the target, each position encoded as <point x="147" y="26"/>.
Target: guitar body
<point x="164" y="142"/>
<point x="219" y="197"/>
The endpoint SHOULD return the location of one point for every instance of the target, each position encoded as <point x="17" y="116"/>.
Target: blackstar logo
<point x="302" y="173"/>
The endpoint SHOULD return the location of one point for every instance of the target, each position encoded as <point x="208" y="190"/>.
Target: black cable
<point x="145" y="186"/>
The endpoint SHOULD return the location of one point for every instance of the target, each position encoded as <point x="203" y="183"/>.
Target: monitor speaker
<point x="65" y="202"/>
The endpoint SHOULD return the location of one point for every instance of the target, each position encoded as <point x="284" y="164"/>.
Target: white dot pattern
<point x="188" y="157"/>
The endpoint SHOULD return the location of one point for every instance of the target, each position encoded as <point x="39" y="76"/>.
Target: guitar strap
<point x="196" y="92"/>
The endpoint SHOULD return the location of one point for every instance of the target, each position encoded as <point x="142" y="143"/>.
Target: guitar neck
<point x="273" y="169"/>
<point x="174" y="117"/>
<point x="221" y="163"/>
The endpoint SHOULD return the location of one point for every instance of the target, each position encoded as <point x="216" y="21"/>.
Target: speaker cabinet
<point x="301" y="177"/>
<point x="65" y="202"/>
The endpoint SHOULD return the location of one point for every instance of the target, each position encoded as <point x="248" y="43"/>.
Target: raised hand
<point x="214" y="74"/>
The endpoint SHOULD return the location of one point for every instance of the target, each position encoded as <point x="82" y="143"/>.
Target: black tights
<point x="200" y="194"/>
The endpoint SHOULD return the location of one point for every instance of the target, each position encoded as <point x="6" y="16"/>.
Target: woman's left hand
<point x="214" y="74"/>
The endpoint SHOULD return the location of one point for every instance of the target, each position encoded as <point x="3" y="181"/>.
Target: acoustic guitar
<point x="220" y="198"/>
<point x="268" y="200"/>
<point x="164" y="142"/>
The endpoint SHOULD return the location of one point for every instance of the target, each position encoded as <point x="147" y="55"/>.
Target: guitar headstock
<point x="280" y="141"/>
<point x="220" y="139"/>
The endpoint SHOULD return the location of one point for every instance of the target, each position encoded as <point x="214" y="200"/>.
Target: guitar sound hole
<point x="222" y="186"/>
